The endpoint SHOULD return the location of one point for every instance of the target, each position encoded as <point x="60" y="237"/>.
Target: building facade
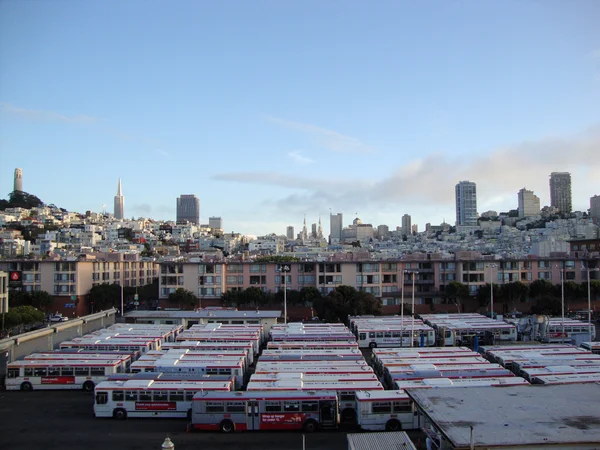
<point x="18" y="182"/>
<point x="188" y="209"/>
<point x="406" y="225"/>
<point x="215" y="223"/>
<point x="289" y="233"/>
<point x="336" y="224"/>
<point x="595" y="208"/>
<point x="529" y="203"/>
<point x="466" y="203"/>
<point x="560" y="191"/>
<point x="119" y="206"/>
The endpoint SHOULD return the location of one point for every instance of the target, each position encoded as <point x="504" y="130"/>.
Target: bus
<point x="197" y="346"/>
<point x="312" y="345"/>
<point x="150" y="398"/>
<point x="567" y="379"/>
<point x="593" y="347"/>
<point x="125" y="358"/>
<point x="395" y="335"/>
<point x="534" y="372"/>
<point x="122" y="345"/>
<point x="431" y="383"/>
<point x="28" y="375"/>
<point x="258" y="410"/>
<point x="384" y="411"/>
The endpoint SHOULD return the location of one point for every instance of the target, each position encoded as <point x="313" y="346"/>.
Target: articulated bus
<point x="384" y="411"/>
<point x="245" y="411"/>
<point x="60" y="374"/>
<point x="150" y="398"/>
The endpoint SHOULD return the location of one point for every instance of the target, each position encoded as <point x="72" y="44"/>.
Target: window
<point x="13" y="373"/>
<point x="400" y="407"/>
<point x="40" y="372"/>
<point x="347" y="397"/>
<point x="381" y="407"/>
<point x="271" y="406"/>
<point x="118" y="396"/>
<point x="102" y="398"/>
<point x="131" y="396"/>
<point x="97" y="371"/>
<point x="82" y="371"/>
<point x="310" y="406"/>
<point x="214" y="407"/>
<point x="362" y="336"/>
<point x="291" y="406"/>
<point x="236" y="407"/>
<point x="189" y="396"/>
<point x="66" y="371"/>
<point x="145" y="396"/>
<point x="53" y="371"/>
<point x="161" y="396"/>
<point x="176" y="396"/>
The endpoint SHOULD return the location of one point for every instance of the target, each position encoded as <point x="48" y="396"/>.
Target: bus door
<point x="327" y="414"/>
<point x="252" y="415"/>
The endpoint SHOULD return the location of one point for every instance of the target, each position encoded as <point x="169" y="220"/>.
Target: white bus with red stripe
<point x="125" y="358"/>
<point x="258" y="410"/>
<point x="150" y="398"/>
<point x="27" y="375"/>
<point x="567" y="379"/>
<point x="198" y="346"/>
<point x="312" y="345"/>
<point x="384" y="411"/>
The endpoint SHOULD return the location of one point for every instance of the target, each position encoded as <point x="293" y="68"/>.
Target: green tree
<point x="22" y="315"/>
<point x="105" y="296"/>
<point x="41" y="300"/>
<point x="19" y="298"/>
<point x="541" y="288"/>
<point x="484" y="295"/>
<point x="183" y="298"/>
<point x="310" y="294"/>
<point x="456" y="293"/>
<point x="253" y="296"/>
<point x="231" y="298"/>
<point x="344" y="301"/>
<point x="513" y="293"/>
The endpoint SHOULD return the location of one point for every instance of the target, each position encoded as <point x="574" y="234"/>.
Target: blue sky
<point x="269" y="110"/>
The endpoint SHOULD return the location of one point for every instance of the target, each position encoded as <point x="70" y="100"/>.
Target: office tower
<point x="383" y="231"/>
<point x="529" y="203"/>
<point x="188" y="209"/>
<point x="304" y="230"/>
<point x="336" y="223"/>
<point x="313" y="230"/>
<point x="119" y="203"/>
<point x="595" y="208"/>
<point x="320" y="229"/>
<point x="216" y="223"/>
<point x="18" y="184"/>
<point x="289" y="232"/>
<point x="406" y="227"/>
<point x="560" y="191"/>
<point x="466" y="203"/>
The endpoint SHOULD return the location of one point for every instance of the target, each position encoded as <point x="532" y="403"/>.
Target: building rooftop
<point x="514" y="416"/>
<point x="205" y="314"/>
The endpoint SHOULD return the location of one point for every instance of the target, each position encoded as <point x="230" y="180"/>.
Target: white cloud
<point x="299" y="159"/>
<point x="38" y="114"/>
<point x="331" y="140"/>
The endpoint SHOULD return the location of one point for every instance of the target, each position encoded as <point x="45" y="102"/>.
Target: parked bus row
<point x="462" y="328"/>
<point x="391" y="331"/>
<point x="314" y="332"/>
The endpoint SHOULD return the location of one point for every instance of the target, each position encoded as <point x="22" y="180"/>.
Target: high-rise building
<point x="188" y="209"/>
<point x="119" y="210"/>
<point x="215" y="223"/>
<point x="313" y="231"/>
<point x="560" y="191"/>
<point x="406" y="225"/>
<point x="18" y="184"/>
<point x="529" y="203"/>
<point x="466" y="203"/>
<point x="595" y="208"/>
<point x="289" y="232"/>
<point x="336" y="224"/>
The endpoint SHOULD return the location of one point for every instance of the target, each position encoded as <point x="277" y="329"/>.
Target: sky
<point x="273" y="111"/>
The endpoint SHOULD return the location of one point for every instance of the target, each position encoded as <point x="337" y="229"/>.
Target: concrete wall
<point x="45" y="339"/>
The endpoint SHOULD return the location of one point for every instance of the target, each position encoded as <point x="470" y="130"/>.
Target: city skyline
<point x="380" y="121"/>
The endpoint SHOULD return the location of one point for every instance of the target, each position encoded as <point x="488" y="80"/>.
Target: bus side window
<point x="40" y="372"/>
<point x="176" y="396"/>
<point x="117" y="396"/>
<point x="381" y="407"/>
<point x="145" y="396"/>
<point x="448" y="334"/>
<point x="363" y="336"/>
<point x="97" y="371"/>
<point x="131" y="396"/>
<point x="310" y="406"/>
<point x="189" y="396"/>
<point x="291" y="406"/>
<point x="272" y="406"/>
<point x="371" y="334"/>
<point x="82" y="371"/>
<point x="13" y="373"/>
<point x="102" y="398"/>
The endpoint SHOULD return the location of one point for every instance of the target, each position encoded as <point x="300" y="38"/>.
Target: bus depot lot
<point x="64" y="419"/>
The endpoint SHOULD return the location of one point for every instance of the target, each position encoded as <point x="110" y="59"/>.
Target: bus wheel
<point x="120" y="414"/>
<point x="348" y="415"/>
<point x="227" y="426"/>
<point x="310" y="426"/>
<point x="393" y="425"/>
<point x="88" y="386"/>
<point x="373" y="345"/>
<point x="26" y="386"/>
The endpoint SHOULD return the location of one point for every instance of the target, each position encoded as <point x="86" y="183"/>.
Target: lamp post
<point x="562" y="300"/>
<point x="285" y="269"/>
<point x="590" y="301"/>
<point x="491" y="266"/>
<point x="121" y="283"/>
<point x="412" y="325"/>
<point x="402" y="312"/>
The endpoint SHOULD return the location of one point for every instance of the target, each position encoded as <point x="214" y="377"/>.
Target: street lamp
<point x="590" y="301"/>
<point x="491" y="266"/>
<point x="285" y="269"/>
<point x="402" y="311"/>
<point x="562" y="299"/>
<point x="412" y="325"/>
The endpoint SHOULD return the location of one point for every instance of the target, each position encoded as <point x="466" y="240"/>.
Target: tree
<point x="541" y="288"/>
<point x="484" y="294"/>
<point x="105" y="296"/>
<point x="231" y="298"/>
<point x="41" y="300"/>
<point x="346" y="301"/>
<point x="455" y="293"/>
<point x="19" y="298"/>
<point x="513" y="293"/>
<point x="310" y="294"/>
<point x="183" y="298"/>
<point x="22" y="315"/>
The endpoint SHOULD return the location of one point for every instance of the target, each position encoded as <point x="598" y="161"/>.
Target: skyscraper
<point x="466" y="203"/>
<point x="595" y="208"/>
<point x="529" y="203"/>
<point x="216" y="223"/>
<point x="18" y="184"/>
<point x="560" y="191"/>
<point x="406" y="225"/>
<point x="188" y="209"/>
<point x="336" y="224"/>
<point x="289" y="232"/>
<point x="119" y="203"/>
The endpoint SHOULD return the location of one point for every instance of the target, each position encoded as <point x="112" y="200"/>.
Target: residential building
<point x="560" y="191"/>
<point x="3" y="293"/>
<point x="188" y="209"/>
<point x="18" y="182"/>
<point x="336" y="224"/>
<point x="466" y="203"/>
<point x="406" y="225"/>
<point x="383" y="232"/>
<point x="214" y="223"/>
<point x="595" y="209"/>
<point x="119" y="205"/>
<point x="529" y="204"/>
